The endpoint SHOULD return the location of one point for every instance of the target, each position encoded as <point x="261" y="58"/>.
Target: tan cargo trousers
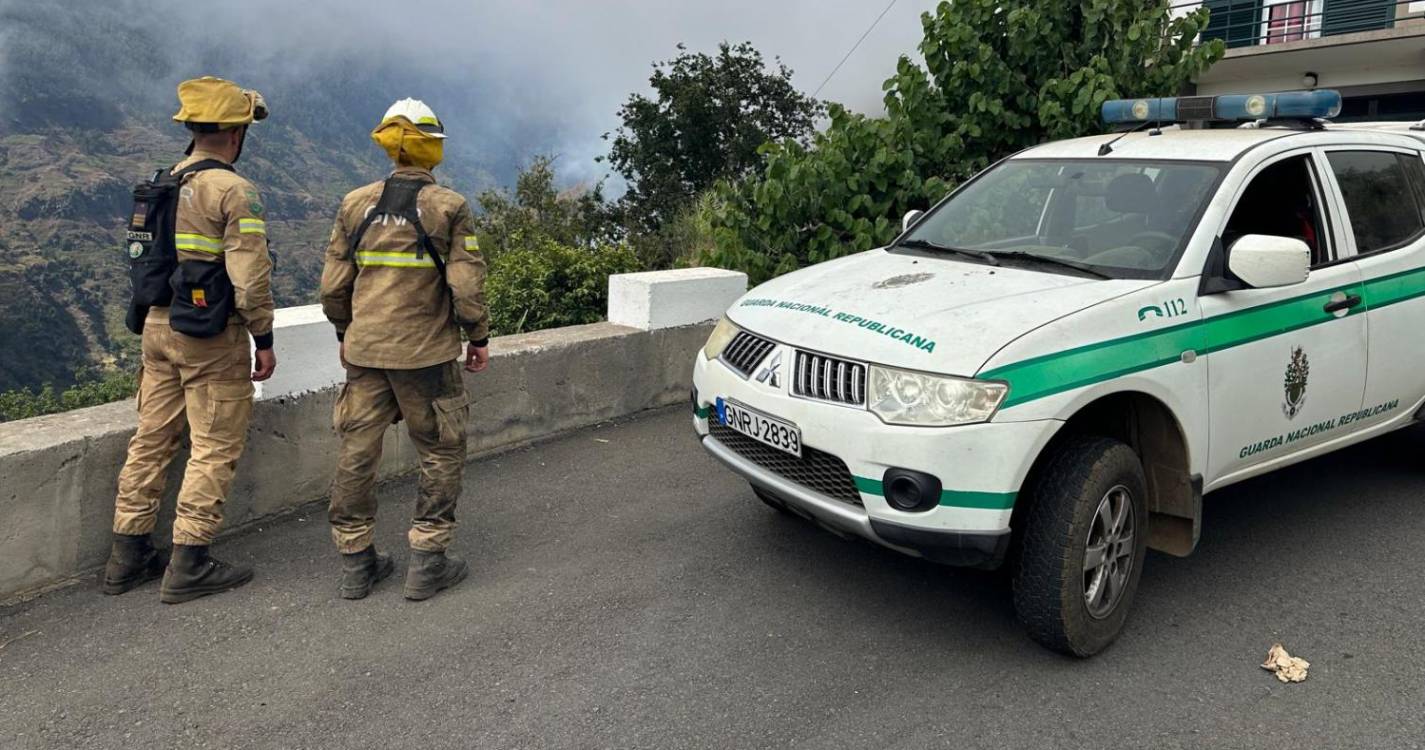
<point x="433" y="402"/>
<point x="208" y="381"/>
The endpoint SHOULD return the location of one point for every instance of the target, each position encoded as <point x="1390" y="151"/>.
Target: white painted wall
<point x="306" y="343"/>
<point x="678" y="297"/>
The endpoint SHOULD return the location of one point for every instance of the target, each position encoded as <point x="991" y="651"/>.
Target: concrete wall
<point x="305" y="344"/>
<point x="58" y="473"/>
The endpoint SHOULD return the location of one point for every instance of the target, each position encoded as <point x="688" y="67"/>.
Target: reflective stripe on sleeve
<point x="472" y="243"/>
<point x="252" y="226"/>
<point x="390" y="259"/>
<point x="200" y="243"/>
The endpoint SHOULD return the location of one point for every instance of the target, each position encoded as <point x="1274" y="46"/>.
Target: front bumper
<point x="980" y="466"/>
<point x="984" y="549"/>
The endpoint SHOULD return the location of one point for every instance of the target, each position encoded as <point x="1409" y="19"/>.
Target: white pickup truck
<point x="1050" y="367"/>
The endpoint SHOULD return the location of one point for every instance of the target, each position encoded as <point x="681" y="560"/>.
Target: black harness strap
<point x="199" y="166"/>
<point x="176" y="177"/>
<point x="398" y="198"/>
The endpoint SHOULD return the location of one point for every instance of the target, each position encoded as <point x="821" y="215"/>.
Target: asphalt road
<point x="629" y="593"/>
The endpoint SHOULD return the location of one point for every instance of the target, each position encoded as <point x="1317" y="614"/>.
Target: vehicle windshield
<point x="1119" y="218"/>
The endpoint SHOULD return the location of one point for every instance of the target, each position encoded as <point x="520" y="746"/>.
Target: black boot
<point x="430" y="572"/>
<point x="132" y="562"/>
<point x="361" y="570"/>
<point x="192" y="573"/>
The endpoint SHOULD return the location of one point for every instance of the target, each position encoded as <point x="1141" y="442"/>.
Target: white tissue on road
<point x="1288" y="668"/>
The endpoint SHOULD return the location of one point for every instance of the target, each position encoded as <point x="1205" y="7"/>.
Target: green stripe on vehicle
<point x="703" y="412"/>
<point x="949" y="498"/>
<point x="1400" y="287"/>
<point x="1047" y="375"/>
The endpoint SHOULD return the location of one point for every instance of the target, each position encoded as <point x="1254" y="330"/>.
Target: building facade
<point x="1372" y="51"/>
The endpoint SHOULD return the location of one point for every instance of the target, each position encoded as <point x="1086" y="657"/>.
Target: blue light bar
<point x="1140" y="110"/>
<point x="1322" y="103"/>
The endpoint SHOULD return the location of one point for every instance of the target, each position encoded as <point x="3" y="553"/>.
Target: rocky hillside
<point x="86" y="91"/>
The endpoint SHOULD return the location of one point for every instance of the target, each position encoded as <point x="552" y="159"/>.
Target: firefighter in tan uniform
<point x="203" y="383"/>
<point x="403" y="280"/>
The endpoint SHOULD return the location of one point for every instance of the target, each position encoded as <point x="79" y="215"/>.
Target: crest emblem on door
<point x="1297" y="372"/>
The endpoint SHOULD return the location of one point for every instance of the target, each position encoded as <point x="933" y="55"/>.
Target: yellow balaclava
<point x="408" y="145"/>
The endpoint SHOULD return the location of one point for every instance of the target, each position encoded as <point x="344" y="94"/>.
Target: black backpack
<point x="398" y="198"/>
<point x="154" y="269"/>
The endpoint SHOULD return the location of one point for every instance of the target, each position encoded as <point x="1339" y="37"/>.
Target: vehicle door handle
<point x="1349" y="302"/>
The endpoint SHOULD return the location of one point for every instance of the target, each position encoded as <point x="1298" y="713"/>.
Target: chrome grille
<point x="816" y="470"/>
<point x="746" y="351"/>
<point x="829" y="379"/>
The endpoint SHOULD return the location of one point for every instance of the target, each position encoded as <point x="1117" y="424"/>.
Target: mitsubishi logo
<point x="769" y="374"/>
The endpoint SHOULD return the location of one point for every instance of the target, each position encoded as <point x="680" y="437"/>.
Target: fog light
<point x="911" y="491"/>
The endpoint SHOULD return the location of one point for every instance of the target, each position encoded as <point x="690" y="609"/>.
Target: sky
<point x="570" y="64"/>
<point x="585" y="58"/>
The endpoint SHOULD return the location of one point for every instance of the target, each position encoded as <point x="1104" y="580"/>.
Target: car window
<point x="1008" y="206"/>
<point x="1379" y="188"/>
<point x="1129" y="218"/>
<point x="1281" y="200"/>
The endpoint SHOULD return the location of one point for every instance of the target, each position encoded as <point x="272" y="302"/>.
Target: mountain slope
<point x="86" y="93"/>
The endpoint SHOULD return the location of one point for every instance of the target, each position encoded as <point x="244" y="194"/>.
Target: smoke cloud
<point x="512" y="78"/>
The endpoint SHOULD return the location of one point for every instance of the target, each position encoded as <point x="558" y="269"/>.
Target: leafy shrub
<point x="91" y="389"/>
<point x="537" y="283"/>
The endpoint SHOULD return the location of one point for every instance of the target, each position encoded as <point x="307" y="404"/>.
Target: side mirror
<point x="1263" y="261"/>
<point x="910" y="218"/>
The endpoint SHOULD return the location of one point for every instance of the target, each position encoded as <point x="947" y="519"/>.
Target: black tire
<point x="1051" y="583"/>
<point x="771" y="500"/>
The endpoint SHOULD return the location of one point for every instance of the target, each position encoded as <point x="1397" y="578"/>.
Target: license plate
<point x="784" y="436"/>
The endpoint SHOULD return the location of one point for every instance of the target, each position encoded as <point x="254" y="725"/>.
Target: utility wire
<point x="852" y="51"/>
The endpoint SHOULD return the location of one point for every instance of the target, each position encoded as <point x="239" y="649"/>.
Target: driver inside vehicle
<point x="1280" y="201"/>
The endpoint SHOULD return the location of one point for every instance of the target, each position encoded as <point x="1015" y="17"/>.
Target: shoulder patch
<point x="254" y="204"/>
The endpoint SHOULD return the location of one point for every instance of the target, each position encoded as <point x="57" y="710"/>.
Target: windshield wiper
<point x="979" y="255"/>
<point x="1051" y="260"/>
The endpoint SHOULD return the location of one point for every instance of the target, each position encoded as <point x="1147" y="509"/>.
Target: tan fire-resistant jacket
<point x="221" y="220"/>
<point x="390" y="306"/>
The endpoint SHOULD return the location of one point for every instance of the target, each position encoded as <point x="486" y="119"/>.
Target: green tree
<point x="709" y="116"/>
<point x="999" y="76"/>
<point x="536" y="208"/>
<point x="550" y="252"/>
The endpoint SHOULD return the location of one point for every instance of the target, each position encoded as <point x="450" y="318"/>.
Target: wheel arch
<point x="1148" y="426"/>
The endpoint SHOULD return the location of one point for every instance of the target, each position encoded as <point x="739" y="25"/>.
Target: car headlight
<point x="915" y="398"/>
<point x="722" y="335"/>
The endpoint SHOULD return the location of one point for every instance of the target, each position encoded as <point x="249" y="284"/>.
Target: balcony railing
<point x="1250" y="23"/>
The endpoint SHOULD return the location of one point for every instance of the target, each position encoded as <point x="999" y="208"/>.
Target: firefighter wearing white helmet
<point x="403" y="284"/>
<point x="201" y="294"/>
<point x="417" y="113"/>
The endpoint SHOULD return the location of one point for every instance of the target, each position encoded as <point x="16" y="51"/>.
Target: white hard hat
<point x="419" y="115"/>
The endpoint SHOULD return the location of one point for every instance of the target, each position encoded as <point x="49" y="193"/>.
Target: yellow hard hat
<point x="211" y="104"/>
